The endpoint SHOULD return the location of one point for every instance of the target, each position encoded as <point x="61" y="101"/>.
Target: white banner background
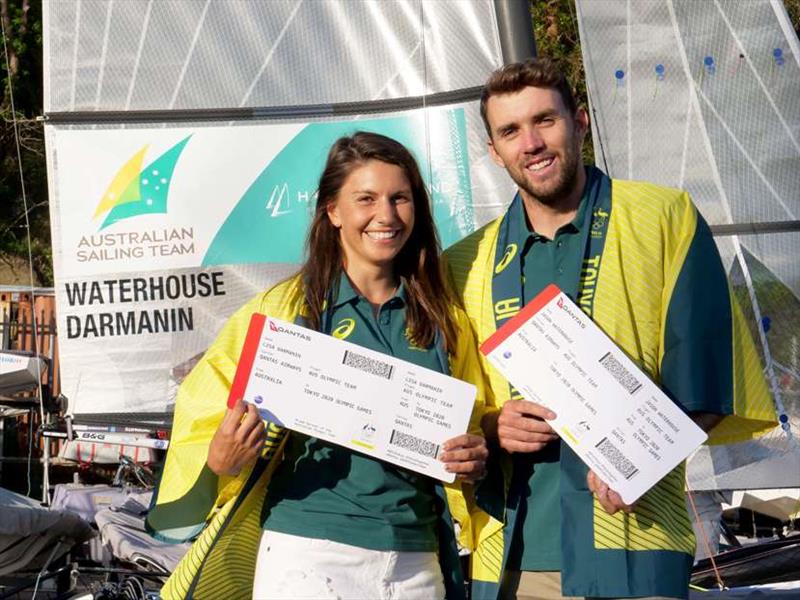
<point x="123" y="367"/>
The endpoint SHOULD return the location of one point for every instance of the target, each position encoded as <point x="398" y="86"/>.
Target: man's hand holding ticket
<point x="607" y="410"/>
<point x="349" y="395"/>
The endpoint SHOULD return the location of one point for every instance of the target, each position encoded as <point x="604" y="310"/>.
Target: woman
<point x="336" y="523"/>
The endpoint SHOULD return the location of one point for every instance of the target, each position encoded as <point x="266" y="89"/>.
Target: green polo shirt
<point x="324" y="491"/>
<point x="545" y="261"/>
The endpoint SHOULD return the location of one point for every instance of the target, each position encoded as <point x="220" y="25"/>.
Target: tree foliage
<point x="793" y="8"/>
<point x="555" y="27"/>
<point x="22" y="66"/>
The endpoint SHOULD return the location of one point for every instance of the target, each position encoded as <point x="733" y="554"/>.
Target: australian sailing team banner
<point x="160" y="234"/>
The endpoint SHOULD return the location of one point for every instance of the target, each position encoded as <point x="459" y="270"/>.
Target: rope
<point x="705" y="539"/>
<point x="56" y="548"/>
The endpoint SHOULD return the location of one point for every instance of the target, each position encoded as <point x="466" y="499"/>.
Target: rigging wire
<point x="426" y="116"/>
<point x="34" y="328"/>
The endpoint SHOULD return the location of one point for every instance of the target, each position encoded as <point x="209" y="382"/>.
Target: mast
<point x="515" y="29"/>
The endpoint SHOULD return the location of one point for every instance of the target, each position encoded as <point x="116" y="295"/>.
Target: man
<point x="641" y="262"/>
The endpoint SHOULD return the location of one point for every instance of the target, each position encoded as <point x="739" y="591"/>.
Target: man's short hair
<point x="541" y="72"/>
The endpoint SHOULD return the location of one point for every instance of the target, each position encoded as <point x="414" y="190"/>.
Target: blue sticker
<point x="619" y="78"/>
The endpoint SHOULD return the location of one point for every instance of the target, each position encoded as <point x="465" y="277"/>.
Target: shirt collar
<point x="576" y="225"/>
<point x="347" y="292"/>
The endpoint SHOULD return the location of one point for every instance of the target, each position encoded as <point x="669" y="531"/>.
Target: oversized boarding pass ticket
<point x="349" y="395"/>
<point x="628" y="431"/>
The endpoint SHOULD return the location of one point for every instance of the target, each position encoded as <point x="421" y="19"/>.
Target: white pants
<point x="291" y="567"/>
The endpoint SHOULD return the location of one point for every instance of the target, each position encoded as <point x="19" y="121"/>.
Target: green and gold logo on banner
<point x="138" y="191"/>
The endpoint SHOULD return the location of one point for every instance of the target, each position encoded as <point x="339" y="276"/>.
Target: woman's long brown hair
<point x="417" y="265"/>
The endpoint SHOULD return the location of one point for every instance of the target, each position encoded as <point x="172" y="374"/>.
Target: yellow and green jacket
<point x="646" y="291"/>
<point x="224" y="514"/>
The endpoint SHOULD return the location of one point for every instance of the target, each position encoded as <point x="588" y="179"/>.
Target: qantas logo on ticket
<point x="292" y="332"/>
<point x="567" y="309"/>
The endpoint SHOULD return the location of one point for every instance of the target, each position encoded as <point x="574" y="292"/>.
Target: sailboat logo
<point x="136" y="191"/>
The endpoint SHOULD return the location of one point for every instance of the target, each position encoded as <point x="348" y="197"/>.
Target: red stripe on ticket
<point x="515" y="322"/>
<point x="247" y="358"/>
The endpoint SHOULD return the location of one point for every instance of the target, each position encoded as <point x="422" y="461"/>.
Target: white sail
<point x="705" y="96"/>
<point x="209" y="95"/>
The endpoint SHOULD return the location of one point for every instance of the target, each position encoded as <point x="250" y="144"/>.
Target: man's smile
<point x="539" y="164"/>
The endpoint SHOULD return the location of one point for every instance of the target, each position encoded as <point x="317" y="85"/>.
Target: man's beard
<point x="562" y="187"/>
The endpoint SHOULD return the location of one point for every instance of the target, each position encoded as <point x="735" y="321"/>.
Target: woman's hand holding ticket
<point x="237" y="441"/>
<point x="465" y="455"/>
